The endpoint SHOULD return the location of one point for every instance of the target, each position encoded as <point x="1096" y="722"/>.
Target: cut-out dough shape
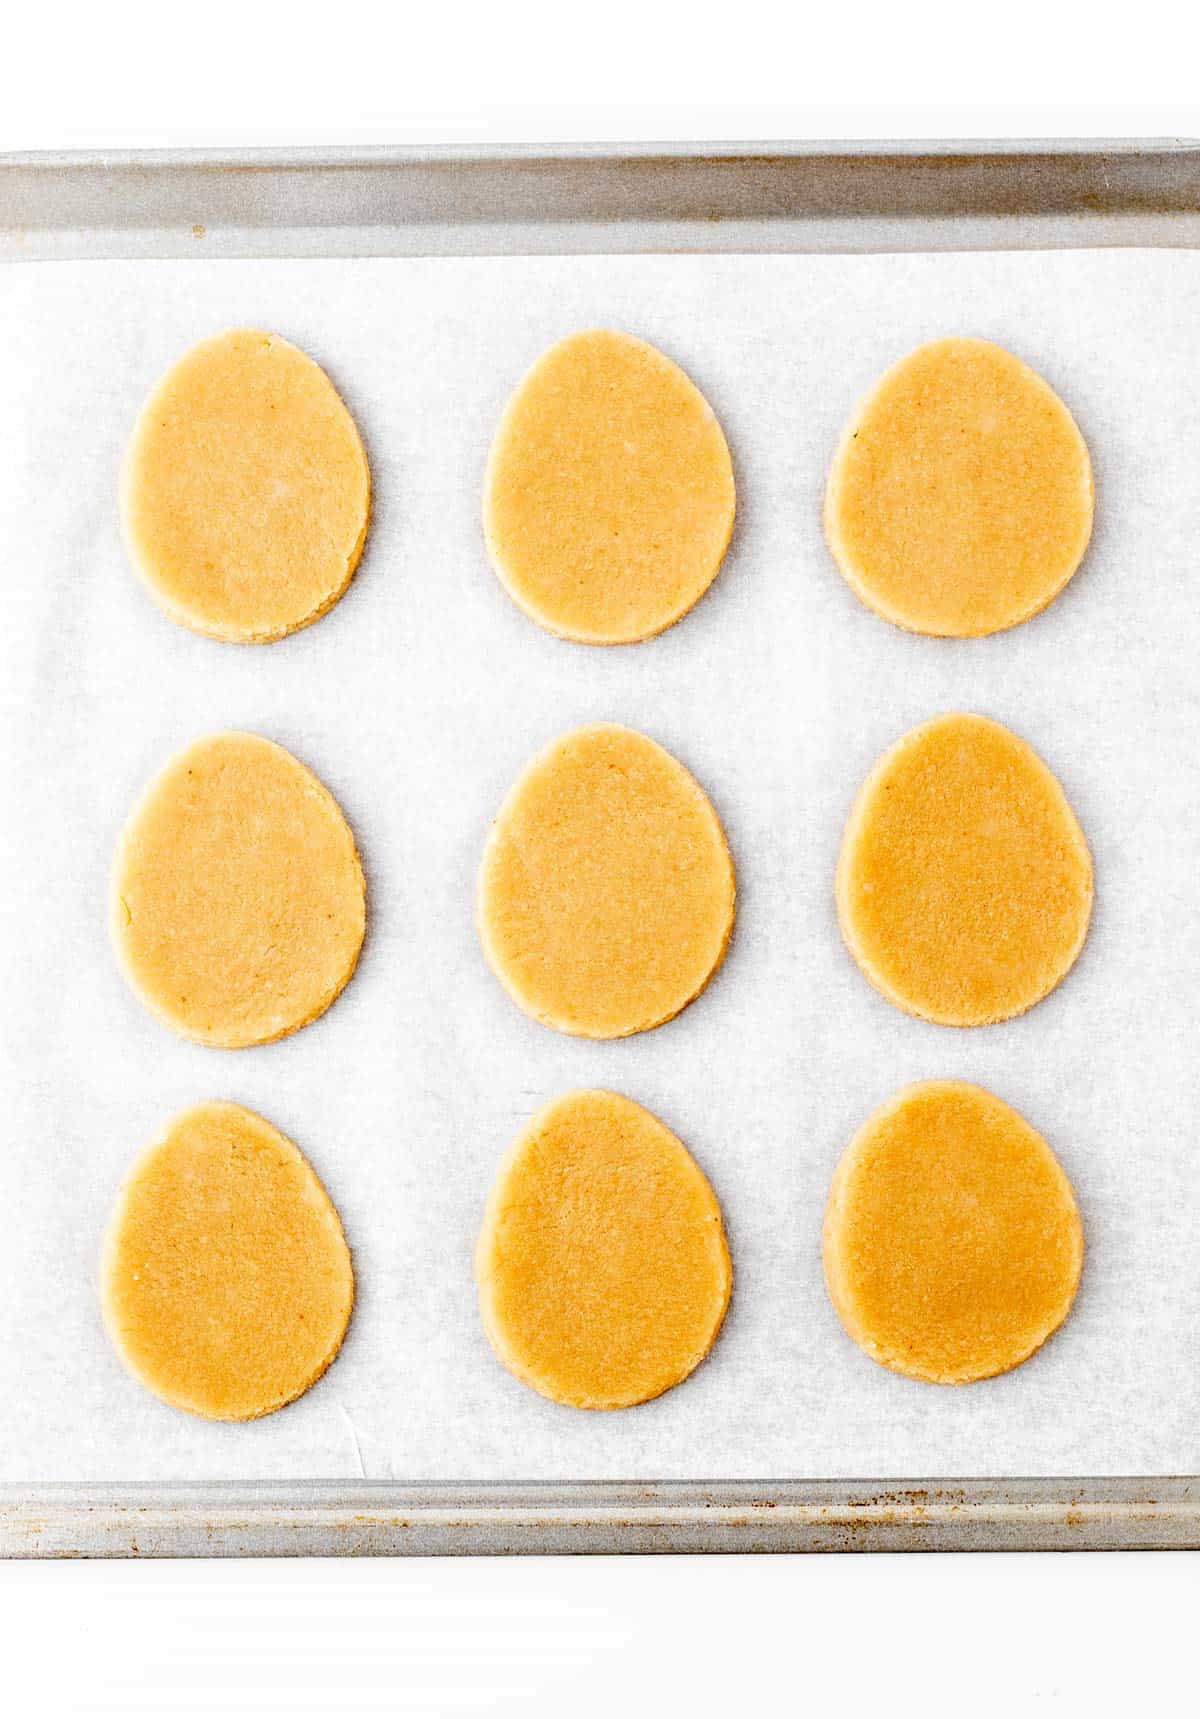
<point x="964" y="886"/>
<point x="245" y="493"/>
<point x="960" y="500"/>
<point x="609" y="497"/>
<point x="238" y="905"/>
<point x="606" y="893"/>
<point x="952" y="1243"/>
<point x="226" y="1281"/>
<point x="602" y="1265"/>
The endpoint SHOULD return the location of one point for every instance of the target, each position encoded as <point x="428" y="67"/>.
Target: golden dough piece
<point x="609" y="497"/>
<point x="602" y="1265"/>
<point x="960" y="500"/>
<point x="952" y="1239"/>
<point x="606" y="893"/>
<point x="964" y="886"/>
<point x="238" y="905"/>
<point x="226" y="1280"/>
<point x="245" y="493"/>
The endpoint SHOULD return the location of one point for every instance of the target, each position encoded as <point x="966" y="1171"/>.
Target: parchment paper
<point x="420" y="697"/>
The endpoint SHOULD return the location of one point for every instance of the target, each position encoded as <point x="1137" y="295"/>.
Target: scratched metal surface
<point x="582" y="1518"/>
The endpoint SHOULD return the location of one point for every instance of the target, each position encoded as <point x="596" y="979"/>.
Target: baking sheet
<point x="419" y="698"/>
<point x="533" y="199"/>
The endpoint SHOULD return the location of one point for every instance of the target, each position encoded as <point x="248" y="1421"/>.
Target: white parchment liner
<point x="419" y="698"/>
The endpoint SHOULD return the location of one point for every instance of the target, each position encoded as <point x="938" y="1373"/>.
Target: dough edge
<point x="539" y="759"/>
<point x="180" y="613"/>
<point x="844" y="560"/>
<point x="854" y="823"/>
<point x="531" y="610"/>
<point x="117" y="915"/>
<point x="833" y="1214"/>
<point x="109" y="1249"/>
<point x="503" y="1351"/>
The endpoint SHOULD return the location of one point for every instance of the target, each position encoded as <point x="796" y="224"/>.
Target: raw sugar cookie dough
<point x="609" y="496"/>
<point x="960" y="500"/>
<point x="245" y="492"/>
<point x="952" y="1242"/>
<point x="964" y="887"/>
<point x="606" y="893"/>
<point x="238" y="907"/>
<point x="226" y="1281"/>
<point x="602" y="1265"/>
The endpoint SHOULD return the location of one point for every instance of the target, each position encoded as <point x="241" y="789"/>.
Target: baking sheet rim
<point x="315" y="1518"/>
<point x="334" y="1519"/>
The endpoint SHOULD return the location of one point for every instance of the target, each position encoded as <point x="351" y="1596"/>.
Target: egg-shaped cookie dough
<point x="237" y="900"/>
<point x="602" y="1265"/>
<point x="245" y="492"/>
<point x="960" y="499"/>
<point x="952" y="1239"/>
<point x="226" y="1282"/>
<point x="606" y="893"/>
<point x="609" y="496"/>
<point x="964" y="886"/>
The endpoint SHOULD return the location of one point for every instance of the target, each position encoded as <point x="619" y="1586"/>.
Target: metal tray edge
<point x="336" y="1519"/>
<point x="465" y="200"/>
<point x="533" y="199"/>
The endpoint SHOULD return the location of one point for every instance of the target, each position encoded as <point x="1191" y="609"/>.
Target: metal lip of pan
<point x="518" y="199"/>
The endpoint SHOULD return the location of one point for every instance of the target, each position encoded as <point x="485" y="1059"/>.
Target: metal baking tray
<point x="413" y="202"/>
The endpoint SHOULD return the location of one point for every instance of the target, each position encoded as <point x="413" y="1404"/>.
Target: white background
<point x="928" y="1634"/>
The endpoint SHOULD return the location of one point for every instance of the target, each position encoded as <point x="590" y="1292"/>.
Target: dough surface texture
<point x="960" y="499"/>
<point x="606" y="892"/>
<point x="964" y="886"/>
<point x="609" y="496"/>
<point x="245" y="493"/>
<point x="238" y="907"/>
<point x="602" y="1266"/>
<point x="226" y="1281"/>
<point x="952" y="1242"/>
